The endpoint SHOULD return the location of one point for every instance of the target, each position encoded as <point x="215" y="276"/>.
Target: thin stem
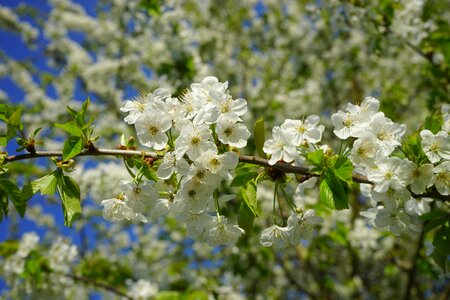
<point x="128" y="168"/>
<point x="102" y="285"/>
<point x="275" y="193"/>
<point x="289" y="201"/>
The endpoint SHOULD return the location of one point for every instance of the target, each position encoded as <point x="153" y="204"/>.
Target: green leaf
<point x="72" y="147"/>
<point x="343" y="169"/>
<point x="11" y="132"/>
<point x="3" y="206"/>
<point x="441" y="240"/>
<point x="82" y="113"/>
<point x="248" y="193"/>
<point x="434" y="121"/>
<point x="316" y="158"/>
<point x="14" y="119"/>
<point x="14" y="194"/>
<point x="259" y="132"/>
<point x="441" y="243"/>
<point x="243" y="178"/>
<point x="413" y="149"/>
<point x="436" y="214"/>
<point x="337" y="186"/>
<point x="8" y="248"/>
<point x="326" y="195"/>
<point x="153" y="7"/>
<point x="70" y="127"/>
<point x="69" y="193"/>
<point x="332" y="191"/>
<point x="5" y="112"/>
<point x="46" y="184"/>
<point x="73" y="113"/>
<point x="28" y="191"/>
<point x="36" y="131"/>
<point x="3" y="141"/>
<point x="246" y="217"/>
<point x="168" y="295"/>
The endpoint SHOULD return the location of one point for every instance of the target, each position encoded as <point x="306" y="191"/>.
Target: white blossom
<point x="223" y="233"/>
<point x="151" y="127"/>
<point x="436" y="146"/>
<point x="280" y="147"/>
<point x="442" y="178"/>
<point x="390" y="172"/>
<point x="301" y="225"/>
<point x="275" y="236"/>
<point x="232" y="133"/>
<point x="308" y="129"/>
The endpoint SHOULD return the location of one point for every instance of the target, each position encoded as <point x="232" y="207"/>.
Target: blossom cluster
<point x="376" y="138"/>
<point x="58" y="260"/>
<point x="397" y="183"/>
<point x="196" y="137"/>
<point x="289" y="143"/>
<point x="197" y="133"/>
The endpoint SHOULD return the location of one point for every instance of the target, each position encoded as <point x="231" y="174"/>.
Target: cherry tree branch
<point x="279" y="166"/>
<point x="98" y="284"/>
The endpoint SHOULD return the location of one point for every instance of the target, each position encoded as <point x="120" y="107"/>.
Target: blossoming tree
<point x="168" y="174"/>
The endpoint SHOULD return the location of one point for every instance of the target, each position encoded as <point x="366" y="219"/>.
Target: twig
<point x="279" y="166"/>
<point x="102" y="285"/>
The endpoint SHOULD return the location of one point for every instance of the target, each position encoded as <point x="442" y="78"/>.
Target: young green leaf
<point x="46" y="184"/>
<point x="70" y="127"/>
<point x="343" y="169"/>
<point x="4" y="208"/>
<point x="326" y="195"/>
<point x="248" y="193"/>
<point x="246" y="217"/>
<point x="434" y="121"/>
<point x="69" y="193"/>
<point x="317" y="159"/>
<point x="332" y="191"/>
<point x="3" y="140"/>
<point x="441" y="243"/>
<point x="243" y="178"/>
<point x="14" y="119"/>
<point x="13" y="193"/>
<point x="28" y="191"/>
<point x="259" y="134"/>
<point x="337" y="186"/>
<point x="82" y="113"/>
<point x="72" y="147"/>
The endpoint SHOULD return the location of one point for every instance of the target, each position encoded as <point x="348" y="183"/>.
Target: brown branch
<point x="98" y="284"/>
<point x="279" y="166"/>
<point x="86" y="152"/>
